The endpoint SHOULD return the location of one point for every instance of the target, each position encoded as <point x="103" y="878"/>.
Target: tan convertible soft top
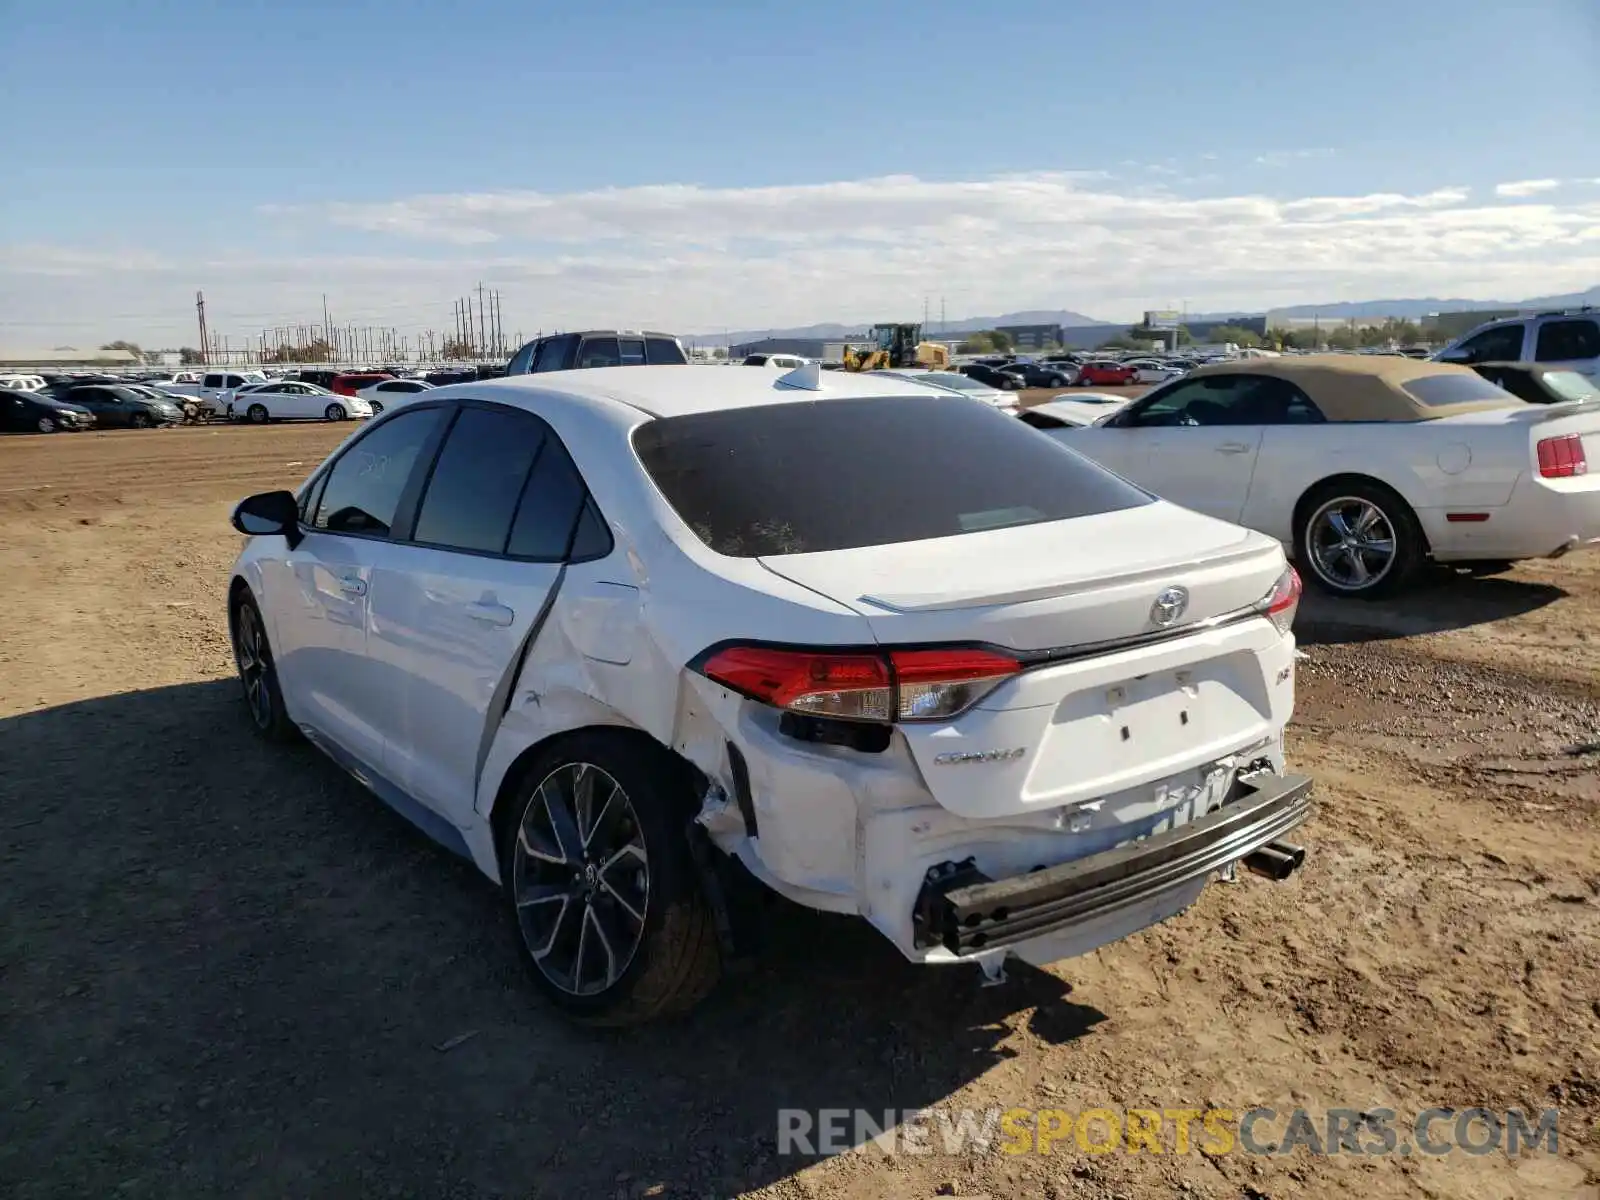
<point x="1360" y="387"/>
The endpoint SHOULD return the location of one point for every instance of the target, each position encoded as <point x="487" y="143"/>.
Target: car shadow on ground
<point x="1441" y="601"/>
<point x="229" y="970"/>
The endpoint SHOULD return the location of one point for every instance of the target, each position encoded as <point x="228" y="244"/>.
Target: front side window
<point x="1223" y="400"/>
<point x="1503" y="343"/>
<point x="477" y="480"/>
<point x="521" y="360"/>
<point x="1567" y="341"/>
<point x="599" y="352"/>
<point x="364" y="487"/>
<point x="843" y="474"/>
<point x="552" y="354"/>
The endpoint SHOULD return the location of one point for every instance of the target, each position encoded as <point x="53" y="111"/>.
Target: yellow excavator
<point x="896" y="347"/>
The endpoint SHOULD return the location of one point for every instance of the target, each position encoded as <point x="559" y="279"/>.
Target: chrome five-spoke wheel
<point x="581" y="879"/>
<point x="1351" y="543"/>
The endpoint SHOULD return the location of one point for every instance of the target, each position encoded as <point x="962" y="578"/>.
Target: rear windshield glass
<point x="841" y="474"/>
<point x="1441" y="391"/>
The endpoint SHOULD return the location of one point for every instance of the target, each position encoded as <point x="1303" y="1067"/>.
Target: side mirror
<point x="269" y="513"/>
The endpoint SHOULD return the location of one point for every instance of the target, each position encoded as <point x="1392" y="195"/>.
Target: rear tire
<point x="257" y="414"/>
<point x="334" y="412"/>
<point x="600" y="885"/>
<point x="376" y="407"/>
<point x="1358" y="539"/>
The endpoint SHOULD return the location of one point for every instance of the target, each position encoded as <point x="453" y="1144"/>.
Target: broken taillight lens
<point x="1283" y="601"/>
<point x="924" y="684"/>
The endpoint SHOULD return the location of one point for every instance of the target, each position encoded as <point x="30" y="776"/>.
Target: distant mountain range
<point x="1337" y="311"/>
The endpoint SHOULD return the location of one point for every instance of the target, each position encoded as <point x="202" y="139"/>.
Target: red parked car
<point x="349" y="385"/>
<point x="1103" y="372"/>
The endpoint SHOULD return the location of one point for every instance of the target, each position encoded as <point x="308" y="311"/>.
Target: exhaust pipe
<point x="1276" y="860"/>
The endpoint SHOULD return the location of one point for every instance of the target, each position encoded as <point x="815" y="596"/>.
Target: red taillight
<point x="1562" y="456"/>
<point x="900" y="685"/>
<point x="1283" y="601"/>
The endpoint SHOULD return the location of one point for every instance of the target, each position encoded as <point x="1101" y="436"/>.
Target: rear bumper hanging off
<point x="966" y="912"/>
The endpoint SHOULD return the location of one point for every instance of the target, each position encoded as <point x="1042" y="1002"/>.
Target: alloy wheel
<point x="580" y="879"/>
<point x="1352" y="543"/>
<point x="250" y="655"/>
<point x="46" y="425"/>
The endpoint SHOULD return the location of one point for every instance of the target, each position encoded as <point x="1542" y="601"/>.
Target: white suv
<point x="610" y="633"/>
<point x="1570" y="340"/>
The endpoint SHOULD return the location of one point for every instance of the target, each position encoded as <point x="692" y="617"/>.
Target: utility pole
<point x="483" y="338"/>
<point x="200" y="309"/>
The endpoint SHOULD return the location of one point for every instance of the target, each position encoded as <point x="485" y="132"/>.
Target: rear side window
<point x="552" y="503"/>
<point x="212" y="381"/>
<point x="663" y="350"/>
<point x="472" y="495"/>
<point x="1441" y="391"/>
<point x="1564" y="341"/>
<point x="364" y="487"/>
<point x="842" y="474"/>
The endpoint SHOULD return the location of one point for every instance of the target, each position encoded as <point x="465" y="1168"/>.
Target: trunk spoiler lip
<point x="944" y="601"/>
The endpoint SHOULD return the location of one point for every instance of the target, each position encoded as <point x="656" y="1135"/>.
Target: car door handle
<point x="353" y="585"/>
<point x="491" y="614"/>
<point x="1235" y="448"/>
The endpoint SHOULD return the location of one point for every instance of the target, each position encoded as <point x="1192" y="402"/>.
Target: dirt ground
<point x="225" y="970"/>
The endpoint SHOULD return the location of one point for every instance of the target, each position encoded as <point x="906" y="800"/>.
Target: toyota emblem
<point x="1169" y="606"/>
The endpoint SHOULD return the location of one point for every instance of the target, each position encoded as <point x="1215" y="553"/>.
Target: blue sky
<point x="695" y="165"/>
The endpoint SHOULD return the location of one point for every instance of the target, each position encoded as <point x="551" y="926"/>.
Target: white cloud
<point x="1525" y="187"/>
<point x="696" y="258"/>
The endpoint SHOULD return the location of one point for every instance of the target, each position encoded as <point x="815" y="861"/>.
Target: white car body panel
<point x="402" y="662"/>
<point x="294" y="401"/>
<point x="1480" y="462"/>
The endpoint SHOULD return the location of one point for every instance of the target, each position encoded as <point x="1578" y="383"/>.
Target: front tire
<point x="257" y="414"/>
<point x="600" y="885"/>
<point x="334" y="412"/>
<point x="139" y="421"/>
<point x="1359" y="540"/>
<point x="47" y="425"/>
<point x="258" y="674"/>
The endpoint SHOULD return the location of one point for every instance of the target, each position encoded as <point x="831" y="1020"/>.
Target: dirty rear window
<point x="842" y="474"/>
<point x="1443" y="390"/>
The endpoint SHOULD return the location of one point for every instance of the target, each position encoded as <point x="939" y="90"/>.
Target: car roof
<point x="1354" y="387"/>
<point x="673" y="390"/>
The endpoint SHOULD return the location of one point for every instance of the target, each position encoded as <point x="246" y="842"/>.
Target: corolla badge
<point x="979" y="756"/>
<point x="1169" y="606"/>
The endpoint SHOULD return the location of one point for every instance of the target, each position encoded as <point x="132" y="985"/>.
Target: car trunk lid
<point x="1117" y="691"/>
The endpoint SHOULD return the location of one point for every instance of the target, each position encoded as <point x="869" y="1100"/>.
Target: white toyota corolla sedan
<point x="627" y="639"/>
